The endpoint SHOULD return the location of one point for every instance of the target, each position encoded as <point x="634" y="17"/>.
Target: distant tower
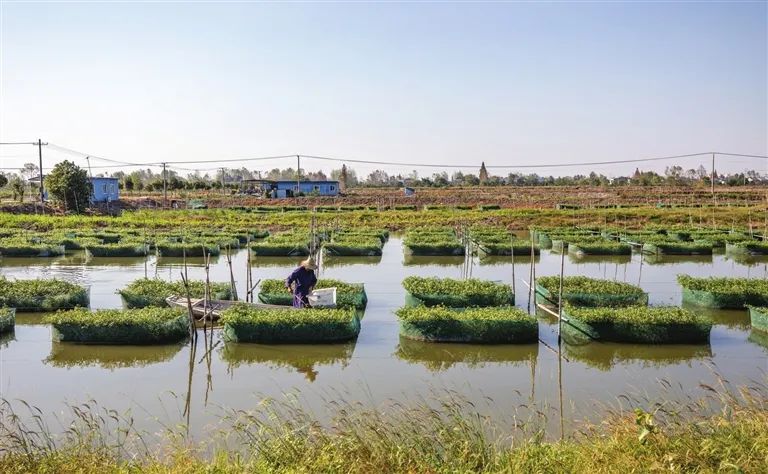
<point x="483" y="174"/>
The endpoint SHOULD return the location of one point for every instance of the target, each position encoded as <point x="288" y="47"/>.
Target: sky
<point x="433" y="83"/>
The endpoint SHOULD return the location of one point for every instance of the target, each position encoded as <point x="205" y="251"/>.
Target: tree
<point x="3" y="180"/>
<point x="483" y="173"/>
<point x="128" y="183"/>
<point x="17" y="186"/>
<point x="68" y="184"/>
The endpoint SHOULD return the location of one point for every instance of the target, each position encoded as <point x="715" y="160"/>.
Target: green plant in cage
<point x="456" y="293"/>
<point x="498" y="325"/>
<point x="348" y="295"/>
<point x="146" y="292"/>
<point x="244" y="323"/>
<point x="718" y="292"/>
<point x="120" y="326"/>
<point x="590" y="292"/>
<point x="41" y="295"/>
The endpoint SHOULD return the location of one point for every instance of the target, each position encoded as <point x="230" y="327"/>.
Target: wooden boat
<point x="214" y="307"/>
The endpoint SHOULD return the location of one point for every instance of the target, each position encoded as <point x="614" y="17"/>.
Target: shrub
<point x="457" y="293"/>
<point x="41" y="295"/>
<point x="120" y="326"/>
<point x="69" y="185"/>
<point x="146" y="292"/>
<point x="502" y="325"/>
<point x="637" y="324"/>
<point x="591" y="292"/>
<point x="244" y="323"/>
<point x="7" y="319"/>
<point x="716" y="292"/>
<point x="348" y="295"/>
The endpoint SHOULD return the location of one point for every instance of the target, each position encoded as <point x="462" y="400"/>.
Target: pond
<point x="380" y="367"/>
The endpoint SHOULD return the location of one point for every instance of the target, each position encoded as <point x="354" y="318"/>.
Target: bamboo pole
<point x="560" y="300"/>
<point x="232" y="284"/>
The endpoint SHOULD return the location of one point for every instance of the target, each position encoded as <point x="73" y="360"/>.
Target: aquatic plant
<point x="497" y="325"/>
<point x="348" y="295"/>
<point x="146" y="292"/>
<point x="592" y="292"/>
<point x="41" y="294"/>
<point x="718" y="292"/>
<point x="245" y="323"/>
<point x="120" y="326"/>
<point x="431" y="291"/>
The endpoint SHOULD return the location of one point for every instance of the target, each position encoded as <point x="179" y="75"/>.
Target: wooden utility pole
<point x="298" y="175"/>
<point x="165" y="188"/>
<point x="713" y="175"/>
<point x="42" y="191"/>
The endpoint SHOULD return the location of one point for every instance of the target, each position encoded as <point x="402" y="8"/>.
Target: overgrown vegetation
<point x="41" y="295"/>
<point x="244" y="323"/>
<point x="120" y="326"/>
<point x="457" y="293"/>
<point x="146" y="292"/>
<point x="717" y="292"/>
<point x="590" y="292"/>
<point x="497" y="325"/>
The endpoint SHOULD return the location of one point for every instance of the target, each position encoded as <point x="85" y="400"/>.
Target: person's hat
<point x="309" y="264"/>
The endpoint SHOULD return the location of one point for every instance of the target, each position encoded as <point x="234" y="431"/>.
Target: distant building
<point x="104" y="190"/>
<point x="286" y="189"/>
<point x="408" y="191"/>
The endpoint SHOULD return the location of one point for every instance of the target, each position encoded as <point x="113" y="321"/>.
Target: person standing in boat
<point x="301" y="282"/>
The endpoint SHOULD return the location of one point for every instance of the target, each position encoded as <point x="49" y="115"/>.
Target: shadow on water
<point x="36" y="261"/>
<point x="656" y="259"/>
<point x="442" y="356"/>
<point x="348" y="261"/>
<point x="109" y="357"/>
<point x="730" y="318"/>
<point x="760" y="338"/>
<point x="606" y="355"/>
<point x="304" y="358"/>
<point x="429" y="260"/>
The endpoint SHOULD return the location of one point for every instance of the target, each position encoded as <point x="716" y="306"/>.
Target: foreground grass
<point x="730" y="435"/>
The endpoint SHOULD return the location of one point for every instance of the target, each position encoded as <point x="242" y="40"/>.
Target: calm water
<point x="379" y="367"/>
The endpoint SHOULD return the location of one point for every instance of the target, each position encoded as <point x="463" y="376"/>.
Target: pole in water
<point x="512" y="254"/>
<point x="560" y="300"/>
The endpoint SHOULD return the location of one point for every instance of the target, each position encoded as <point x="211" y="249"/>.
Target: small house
<point x="104" y="190"/>
<point x="287" y="189"/>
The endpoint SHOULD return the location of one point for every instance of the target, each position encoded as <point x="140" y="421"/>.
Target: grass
<point x="41" y="295"/>
<point x="717" y="292"/>
<point x="722" y="431"/>
<point x="636" y="324"/>
<point x="500" y="325"/>
<point x="348" y="295"/>
<point x="457" y="293"/>
<point x="590" y="292"/>
<point x="120" y="326"/>
<point x="243" y="323"/>
<point x="146" y="292"/>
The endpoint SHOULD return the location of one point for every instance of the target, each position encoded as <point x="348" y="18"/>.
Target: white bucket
<point x="324" y="298"/>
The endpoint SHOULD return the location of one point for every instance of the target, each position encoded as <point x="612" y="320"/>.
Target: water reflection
<point x="731" y="318"/>
<point x="442" y="356"/>
<point x="760" y="338"/>
<point x="191" y="261"/>
<point x="656" y="259"/>
<point x="749" y="260"/>
<point x="348" y="261"/>
<point x="7" y="337"/>
<point x="606" y="355"/>
<point x="616" y="259"/>
<point x="109" y="357"/>
<point x="276" y="261"/>
<point x="491" y="260"/>
<point x="429" y="260"/>
<point x="304" y="358"/>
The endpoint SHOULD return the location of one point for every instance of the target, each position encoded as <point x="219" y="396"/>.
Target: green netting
<point x="748" y="248"/>
<point x="243" y="323"/>
<point x="589" y="292"/>
<point x="114" y="326"/>
<point x="678" y="248"/>
<point x="41" y="295"/>
<point x="456" y="293"/>
<point x="724" y="292"/>
<point x="758" y="317"/>
<point x="31" y="250"/>
<point x="7" y="319"/>
<point x="760" y="338"/>
<point x="146" y="292"/>
<point x="110" y="357"/>
<point x="579" y="328"/>
<point x="117" y="250"/>
<point x="348" y="295"/>
<point x="501" y="325"/>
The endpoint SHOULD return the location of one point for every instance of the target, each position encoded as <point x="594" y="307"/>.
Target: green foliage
<point x="356" y="243"/>
<point x="758" y="316"/>
<point x="638" y="324"/>
<point x="348" y="295"/>
<point x="717" y="292"/>
<point x="432" y="241"/>
<point x="21" y="247"/>
<point x="146" y="292"/>
<point x="497" y="325"/>
<point x="127" y="249"/>
<point x="68" y="184"/>
<point x="591" y="292"/>
<point x="245" y="323"/>
<point x="672" y="247"/>
<point x="284" y="244"/>
<point x="120" y="326"/>
<point x="458" y="293"/>
<point x="7" y="319"/>
<point x="41" y="295"/>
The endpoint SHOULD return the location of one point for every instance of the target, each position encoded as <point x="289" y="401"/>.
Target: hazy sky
<point x="444" y="83"/>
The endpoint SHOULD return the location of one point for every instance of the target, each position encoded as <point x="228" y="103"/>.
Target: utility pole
<point x="88" y="159"/>
<point x="298" y="175"/>
<point x="42" y="192"/>
<point x="713" y="175"/>
<point x="165" y="188"/>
